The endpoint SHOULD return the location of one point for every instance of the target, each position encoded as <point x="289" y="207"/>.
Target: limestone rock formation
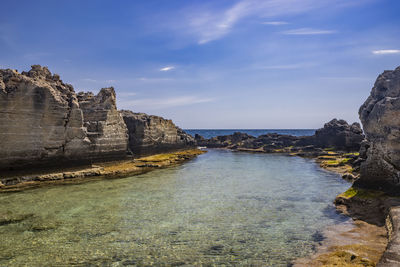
<point x="42" y="122"/>
<point x="380" y="116"/>
<point x="152" y="134"/>
<point x="106" y="129"/>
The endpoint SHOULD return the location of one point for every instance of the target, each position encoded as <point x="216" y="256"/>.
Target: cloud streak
<point x="386" y="52"/>
<point x="308" y="31"/>
<point x="207" y="24"/>
<point x="167" y="68"/>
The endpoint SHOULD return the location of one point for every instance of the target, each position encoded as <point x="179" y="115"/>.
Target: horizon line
<point x="250" y="128"/>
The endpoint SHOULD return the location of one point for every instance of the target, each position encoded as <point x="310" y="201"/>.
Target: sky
<point x="226" y="64"/>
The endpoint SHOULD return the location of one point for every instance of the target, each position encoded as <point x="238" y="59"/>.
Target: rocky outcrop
<point x="336" y="134"/>
<point x="380" y="116"/>
<point x="340" y="135"/>
<point x="42" y="121"/>
<point x="152" y="134"/>
<point x="235" y="139"/>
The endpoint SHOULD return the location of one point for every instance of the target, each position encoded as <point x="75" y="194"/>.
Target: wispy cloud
<point x="275" y="23"/>
<point x="167" y="68"/>
<point x="386" y="51"/>
<point x="207" y="24"/>
<point x="161" y="103"/>
<point x="308" y="31"/>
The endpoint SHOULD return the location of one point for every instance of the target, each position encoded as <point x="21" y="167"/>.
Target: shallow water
<point x="223" y="207"/>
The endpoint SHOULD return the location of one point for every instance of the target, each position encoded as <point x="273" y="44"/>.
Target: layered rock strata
<point x="380" y="116"/>
<point x="42" y="121"/>
<point x="153" y="134"/>
<point x="391" y="257"/>
<point x="105" y="127"/>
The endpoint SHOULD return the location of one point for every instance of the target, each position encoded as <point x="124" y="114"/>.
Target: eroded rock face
<point x="105" y="126"/>
<point x="380" y="116"/>
<point x="339" y="134"/>
<point x="42" y="122"/>
<point x="152" y="134"/>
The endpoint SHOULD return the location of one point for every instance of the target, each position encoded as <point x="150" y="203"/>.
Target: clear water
<point x="254" y="132"/>
<point x="222" y="208"/>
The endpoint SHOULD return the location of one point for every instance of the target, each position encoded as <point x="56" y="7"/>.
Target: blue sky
<point x="212" y="64"/>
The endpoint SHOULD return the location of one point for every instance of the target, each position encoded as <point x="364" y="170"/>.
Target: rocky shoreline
<point x="17" y="181"/>
<point x="372" y="163"/>
<point x="370" y="238"/>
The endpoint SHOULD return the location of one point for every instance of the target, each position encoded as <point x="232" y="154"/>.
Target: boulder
<point x="150" y="134"/>
<point x="42" y="122"/>
<point x="380" y="116"/>
<point x="339" y="134"/>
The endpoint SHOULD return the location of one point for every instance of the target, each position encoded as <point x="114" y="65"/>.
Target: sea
<point x="209" y="133"/>
<point x="222" y="208"/>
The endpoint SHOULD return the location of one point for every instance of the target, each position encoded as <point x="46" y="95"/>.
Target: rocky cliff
<point x="42" y="121"/>
<point x="380" y="116"/>
<point x="152" y="134"/>
<point x="105" y="127"/>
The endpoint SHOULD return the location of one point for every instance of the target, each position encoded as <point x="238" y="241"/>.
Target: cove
<point x="221" y="208"/>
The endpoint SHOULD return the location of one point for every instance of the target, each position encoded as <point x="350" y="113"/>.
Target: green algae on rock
<point x="122" y="168"/>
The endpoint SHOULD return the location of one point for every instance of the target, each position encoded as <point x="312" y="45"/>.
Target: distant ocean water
<point x="208" y="133"/>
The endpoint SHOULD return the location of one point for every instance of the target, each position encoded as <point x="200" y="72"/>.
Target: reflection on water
<point x="223" y="207"/>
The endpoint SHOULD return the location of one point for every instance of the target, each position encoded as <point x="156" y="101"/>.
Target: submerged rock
<point x="43" y="123"/>
<point x="150" y="134"/>
<point x="380" y="116"/>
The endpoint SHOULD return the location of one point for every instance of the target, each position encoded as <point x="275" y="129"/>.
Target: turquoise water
<point x="222" y="208"/>
<point x="254" y="132"/>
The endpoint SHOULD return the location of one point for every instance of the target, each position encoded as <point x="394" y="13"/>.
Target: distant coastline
<point x="209" y="133"/>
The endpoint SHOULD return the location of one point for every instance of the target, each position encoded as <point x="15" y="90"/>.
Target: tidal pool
<point x="221" y="208"/>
